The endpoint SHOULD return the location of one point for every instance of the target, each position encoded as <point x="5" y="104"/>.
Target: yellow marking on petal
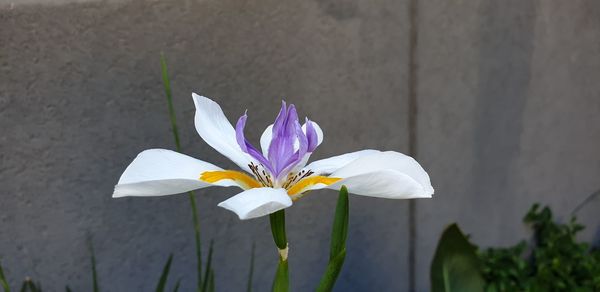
<point x="241" y="178"/>
<point x="304" y="183"/>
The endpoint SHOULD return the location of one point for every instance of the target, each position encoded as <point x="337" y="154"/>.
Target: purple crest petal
<point x="282" y="156"/>
<point x="311" y="135"/>
<point x="281" y="148"/>
<point x="246" y="146"/>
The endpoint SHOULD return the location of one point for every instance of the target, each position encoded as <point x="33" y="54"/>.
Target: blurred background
<point x="498" y="100"/>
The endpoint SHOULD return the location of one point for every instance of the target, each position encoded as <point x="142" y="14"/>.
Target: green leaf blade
<point x="455" y="266"/>
<point x="162" y="282"/>
<point x="339" y="234"/>
<point x="208" y="269"/>
<point x="175" y="130"/>
<point x="339" y="231"/>
<point x="281" y="283"/>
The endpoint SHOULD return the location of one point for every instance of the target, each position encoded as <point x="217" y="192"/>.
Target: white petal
<point x="328" y="165"/>
<point x="388" y="183"/>
<point x="386" y="174"/>
<point x="267" y="135"/>
<point x="257" y="202"/>
<point x="217" y="131"/>
<point x="265" y="140"/>
<point x="159" y="172"/>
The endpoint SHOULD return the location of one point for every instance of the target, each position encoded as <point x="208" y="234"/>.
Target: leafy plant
<point x="554" y="261"/>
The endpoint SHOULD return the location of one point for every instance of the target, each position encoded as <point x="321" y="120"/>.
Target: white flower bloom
<point x="275" y="176"/>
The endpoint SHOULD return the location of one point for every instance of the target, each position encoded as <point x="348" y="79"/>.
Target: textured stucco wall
<point x="508" y="115"/>
<point x="82" y="95"/>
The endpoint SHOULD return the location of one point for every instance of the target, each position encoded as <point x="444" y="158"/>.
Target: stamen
<point x="264" y="178"/>
<point x="306" y="182"/>
<point x="241" y="178"/>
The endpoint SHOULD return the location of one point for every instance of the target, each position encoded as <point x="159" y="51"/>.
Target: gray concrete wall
<point x="508" y="115"/>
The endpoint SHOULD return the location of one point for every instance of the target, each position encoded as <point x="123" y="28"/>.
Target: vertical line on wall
<point x="412" y="135"/>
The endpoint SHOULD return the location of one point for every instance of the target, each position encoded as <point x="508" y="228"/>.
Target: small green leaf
<point x="250" y="274"/>
<point x="277" y="220"/>
<point x="67" y="289"/>
<point x="208" y="268"/>
<point x="3" y="280"/>
<point x="281" y="283"/>
<point x="455" y="266"/>
<point x="162" y="282"/>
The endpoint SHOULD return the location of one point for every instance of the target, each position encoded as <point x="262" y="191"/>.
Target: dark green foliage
<point x="455" y="266"/>
<point x="339" y="233"/>
<point x="554" y="261"/>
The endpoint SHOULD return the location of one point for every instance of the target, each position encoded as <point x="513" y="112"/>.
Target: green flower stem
<point x="281" y="281"/>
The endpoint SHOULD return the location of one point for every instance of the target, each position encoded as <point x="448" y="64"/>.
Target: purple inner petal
<point x="246" y="146"/>
<point x="282" y="155"/>
<point x="311" y="135"/>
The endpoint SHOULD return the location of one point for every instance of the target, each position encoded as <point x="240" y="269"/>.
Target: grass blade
<point x="169" y="94"/>
<point x="208" y="269"/>
<point x="160" y="287"/>
<point x="211" y="281"/>
<point x="96" y="288"/>
<point x="175" y="130"/>
<point x="3" y="280"/>
<point x="177" y="286"/>
<point x="250" y="274"/>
